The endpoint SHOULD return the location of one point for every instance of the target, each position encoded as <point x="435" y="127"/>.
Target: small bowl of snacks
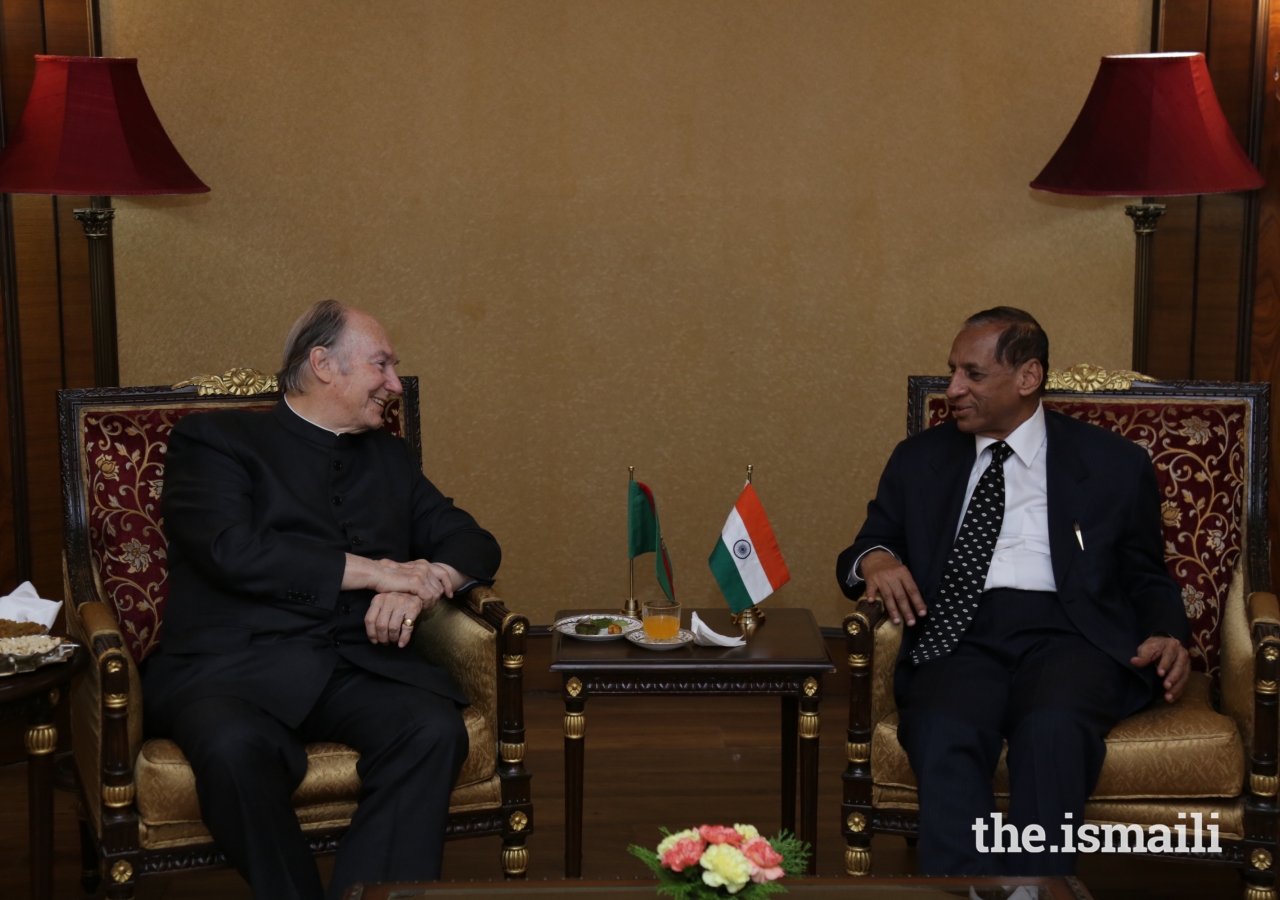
<point x="597" y="627"/>
<point x="26" y="646"/>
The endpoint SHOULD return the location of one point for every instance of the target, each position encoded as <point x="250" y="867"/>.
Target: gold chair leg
<point x="515" y="861"/>
<point x="857" y="860"/>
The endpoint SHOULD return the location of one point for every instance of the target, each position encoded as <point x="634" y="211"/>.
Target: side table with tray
<point x="31" y="685"/>
<point x="785" y="658"/>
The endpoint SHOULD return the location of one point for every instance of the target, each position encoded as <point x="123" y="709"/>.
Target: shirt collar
<point x="1025" y="441"/>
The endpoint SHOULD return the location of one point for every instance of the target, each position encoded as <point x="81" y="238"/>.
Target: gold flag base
<point x="749" y="620"/>
<point x="631" y="608"/>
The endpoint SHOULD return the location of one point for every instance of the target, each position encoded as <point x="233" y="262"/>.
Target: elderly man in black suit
<point x="304" y="543"/>
<point x="1023" y="550"/>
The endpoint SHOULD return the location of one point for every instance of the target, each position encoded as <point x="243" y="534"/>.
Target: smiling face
<point x="987" y="397"/>
<point x="357" y="377"/>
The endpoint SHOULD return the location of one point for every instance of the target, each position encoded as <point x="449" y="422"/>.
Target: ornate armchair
<point x="139" y="807"/>
<point x="1214" y="751"/>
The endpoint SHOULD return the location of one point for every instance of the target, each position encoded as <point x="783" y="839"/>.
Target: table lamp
<point x="1150" y="127"/>
<point x="89" y="129"/>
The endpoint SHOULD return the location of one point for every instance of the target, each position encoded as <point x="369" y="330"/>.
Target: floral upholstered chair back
<point x="114" y="442"/>
<point x="1208" y="442"/>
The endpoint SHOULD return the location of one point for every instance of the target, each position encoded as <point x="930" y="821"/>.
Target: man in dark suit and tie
<point x="304" y="542"/>
<point x="1023" y="550"/>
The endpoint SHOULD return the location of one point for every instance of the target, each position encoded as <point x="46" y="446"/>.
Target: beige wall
<point x="683" y="235"/>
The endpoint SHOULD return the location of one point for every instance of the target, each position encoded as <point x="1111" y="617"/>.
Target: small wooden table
<point x="786" y="657"/>
<point x="34" y="696"/>
<point x="917" y="888"/>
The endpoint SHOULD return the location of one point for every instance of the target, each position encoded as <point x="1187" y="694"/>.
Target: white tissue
<point x="705" y="637"/>
<point x="25" y="605"/>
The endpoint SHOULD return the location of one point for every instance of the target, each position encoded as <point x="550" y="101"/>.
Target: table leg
<point x="809" y="775"/>
<point x="41" y="739"/>
<point x="790" y="721"/>
<point x="575" y="731"/>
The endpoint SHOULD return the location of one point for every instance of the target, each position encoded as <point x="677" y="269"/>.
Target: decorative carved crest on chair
<point x="237" y="382"/>
<point x="1087" y="378"/>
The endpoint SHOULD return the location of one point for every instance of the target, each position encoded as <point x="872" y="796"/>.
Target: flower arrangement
<point x="718" y="861"/>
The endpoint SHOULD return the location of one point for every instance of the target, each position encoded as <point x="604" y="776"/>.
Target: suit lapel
<point x="951" y="469"/>
<point x="1066" y="473"/>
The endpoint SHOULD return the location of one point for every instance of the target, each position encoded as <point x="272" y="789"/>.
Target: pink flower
<point x="761" y="853"/>
<point x="764" y="860"/>
<point x="719" y="834"/>
<point x="686" y="852"/>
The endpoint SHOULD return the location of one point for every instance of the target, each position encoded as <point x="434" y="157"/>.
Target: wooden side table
<point x="34" y="696"/>
<point x="786" y="657"/>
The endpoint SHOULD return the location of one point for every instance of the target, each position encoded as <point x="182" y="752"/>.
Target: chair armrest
<point x="860" y="640"/>
<point x="1264" y="631"/>
<point x="481" y="643"/>
<point x="106" y="717"/>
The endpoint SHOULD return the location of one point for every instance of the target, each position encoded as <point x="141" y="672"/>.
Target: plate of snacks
<point x="597" y="627"/>
<point x="26" y="646"/>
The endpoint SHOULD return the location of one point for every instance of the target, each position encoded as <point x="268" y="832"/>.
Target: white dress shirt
<point x="1021" y="557"/>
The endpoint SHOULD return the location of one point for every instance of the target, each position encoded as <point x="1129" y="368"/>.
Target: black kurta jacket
<point x="260" y="509"/>
<point x="1117" y="589"/>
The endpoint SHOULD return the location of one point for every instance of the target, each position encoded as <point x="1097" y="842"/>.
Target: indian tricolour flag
<point x="747" y="562"/>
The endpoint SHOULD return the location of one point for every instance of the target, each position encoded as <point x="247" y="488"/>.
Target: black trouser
<point x="1023" y="673"/>
<point x="412" y="744"/>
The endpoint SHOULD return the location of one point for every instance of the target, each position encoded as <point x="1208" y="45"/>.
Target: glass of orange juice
<point x="661" y="620"/>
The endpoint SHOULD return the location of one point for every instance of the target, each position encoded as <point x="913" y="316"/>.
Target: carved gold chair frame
<point x="107" y="700"/>
<point x="873" y="804"/>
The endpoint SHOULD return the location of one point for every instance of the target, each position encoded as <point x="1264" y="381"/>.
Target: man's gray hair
<point x="321" y="326"/>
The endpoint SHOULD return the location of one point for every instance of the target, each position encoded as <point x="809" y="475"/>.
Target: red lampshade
<point x="1151" y="127"/>
<point x="89" y="129"/>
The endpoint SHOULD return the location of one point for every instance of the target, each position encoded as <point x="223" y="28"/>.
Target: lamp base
<point x="102" y="289"/>
<point x="1145" y="218"/>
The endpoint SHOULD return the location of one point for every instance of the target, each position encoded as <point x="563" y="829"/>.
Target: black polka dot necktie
<point x="965" y="574"/>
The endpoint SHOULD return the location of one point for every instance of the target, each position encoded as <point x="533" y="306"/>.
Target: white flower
<point x="1193" y="600"/>
<point x="726" y="867"/>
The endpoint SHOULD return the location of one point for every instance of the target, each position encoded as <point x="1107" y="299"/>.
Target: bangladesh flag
<point x="644" y="535"/>
<point x="747" y="563"/>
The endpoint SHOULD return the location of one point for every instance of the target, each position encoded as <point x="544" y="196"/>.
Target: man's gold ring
<point x="408" y="622"/>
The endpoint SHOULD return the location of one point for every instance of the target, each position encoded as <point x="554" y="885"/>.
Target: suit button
<point x="346" y="608"/>
<point x="335" y="643"/>
<point x="337" y="464"/>
<point x="337" y="501"/>
<point x="356" y="542"/>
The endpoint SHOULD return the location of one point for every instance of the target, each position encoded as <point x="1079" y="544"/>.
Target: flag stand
<point x="631" y="608"/>
<point x="752" y="617"/>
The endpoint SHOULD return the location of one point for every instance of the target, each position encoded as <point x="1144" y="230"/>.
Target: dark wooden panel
<point x="1265" y="355"/>
<point x="8" y="556"/>
<point x="1230" y="58"/>
<point x="23" y="22"/>
<point x="1172" y="309"/>
<point x="1184" y="25"/>
<point x="41" y="325"/>
<point x="1222" y="231"/>
<point x="66" y="26"/>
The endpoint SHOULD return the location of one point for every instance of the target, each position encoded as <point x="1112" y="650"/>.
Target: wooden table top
<point x="918" y="888"/>
<point x="789" y="641"/>
<point x="14" y="688"/>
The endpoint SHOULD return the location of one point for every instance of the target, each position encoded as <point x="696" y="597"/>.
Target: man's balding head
<point x="339" y="367"/>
